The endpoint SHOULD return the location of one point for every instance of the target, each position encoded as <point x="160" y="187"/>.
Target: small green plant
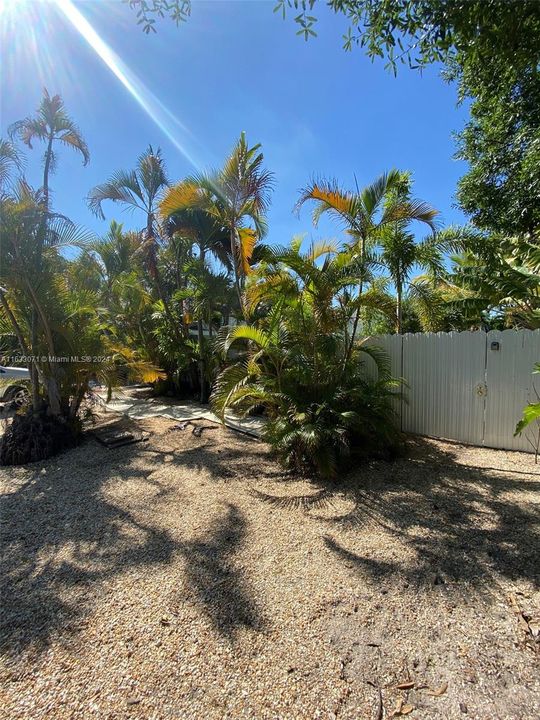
<point x="531" y="413"/>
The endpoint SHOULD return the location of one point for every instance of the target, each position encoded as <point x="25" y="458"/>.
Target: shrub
<point x="303" y="364"/>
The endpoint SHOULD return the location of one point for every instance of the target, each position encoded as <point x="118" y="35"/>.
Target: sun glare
<point x="166" y="121"/>
<point x="8" y="5"/>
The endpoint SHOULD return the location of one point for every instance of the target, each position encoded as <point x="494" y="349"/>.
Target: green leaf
<point x="530" y="414"/>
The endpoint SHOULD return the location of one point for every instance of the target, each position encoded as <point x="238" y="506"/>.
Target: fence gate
<point x="468" y="386"/>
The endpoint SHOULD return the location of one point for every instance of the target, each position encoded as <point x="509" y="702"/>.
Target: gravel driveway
<point x="189" y="577"/>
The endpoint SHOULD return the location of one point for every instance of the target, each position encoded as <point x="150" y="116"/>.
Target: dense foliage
<point x="192" y="300"/>
<point x="299" y="359"/>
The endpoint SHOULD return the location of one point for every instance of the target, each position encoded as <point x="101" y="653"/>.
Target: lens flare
<point x="166" y="121"/>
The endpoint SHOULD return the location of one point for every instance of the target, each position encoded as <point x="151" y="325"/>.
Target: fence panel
<point x="446" y="375"/>
<point x="511" y="384"/>
<point x="469" y="386"/>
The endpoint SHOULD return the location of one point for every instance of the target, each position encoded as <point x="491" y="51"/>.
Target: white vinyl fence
<point x="469" y="386"/>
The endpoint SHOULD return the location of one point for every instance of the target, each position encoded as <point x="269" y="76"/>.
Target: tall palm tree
<point x="364" y="214"/>
<point x="140" y="189"/>
<point x="237" y="197"/>
<point x="201" y="229"/>
<point x="51" y="125"/>
<point x="399" y="254"/>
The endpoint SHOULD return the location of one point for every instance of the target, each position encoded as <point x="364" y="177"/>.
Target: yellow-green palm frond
<point x="321" y="248"/>
<point x="331" y="199"/>
<point x="270" y="288"/>
<point x="243" y="332"/>
<point x="184" y="195"/>
<point x="247" y="237"/>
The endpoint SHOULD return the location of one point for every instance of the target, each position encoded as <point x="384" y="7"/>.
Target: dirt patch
<point x="190" y="577"/>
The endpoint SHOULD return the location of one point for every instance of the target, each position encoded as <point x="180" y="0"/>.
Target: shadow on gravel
<point x="55" y="515"/>
<point x="62" y="541"/>
<point x="213" y="583"/>
<point x="465" y="524"/>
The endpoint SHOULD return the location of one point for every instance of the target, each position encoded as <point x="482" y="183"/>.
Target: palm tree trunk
<point x="399" y="308"/>
<point x="358" y="310"/>
<point x="34" y="375"/>
<point x="200" y="334"/>
<point x="53" y="393"/>
<point x="14" y="323"/>
<point x="234" y="252"/>
<point x="32" y="367"/>
<point x="155" y="275"/>
<point x="202" y="379"/>
<point x="46" y="170"/>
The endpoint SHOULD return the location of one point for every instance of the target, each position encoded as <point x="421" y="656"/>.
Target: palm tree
<point x="140" y="189"/>
<point x="51" y="125"/>
<point x="294" y="359"/>
<point x="27" y="279"/>
<point x="52" y="313"/>
<point x="365" y="214"/>
<point x="113" y="254"/>
<point x="200" y="229"/>
<point x="400" y="254"/>
<point x="237" y="197"/>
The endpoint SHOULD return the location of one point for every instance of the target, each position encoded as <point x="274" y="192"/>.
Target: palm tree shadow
<point x="214" y="584"/>
<point x="61" y="539"/>
<point x="467" y="526"/>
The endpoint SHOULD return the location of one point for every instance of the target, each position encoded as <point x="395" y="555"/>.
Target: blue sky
<point x="316" y="109"/>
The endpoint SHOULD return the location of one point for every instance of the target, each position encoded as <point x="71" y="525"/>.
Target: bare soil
<point x="190" y="577"/>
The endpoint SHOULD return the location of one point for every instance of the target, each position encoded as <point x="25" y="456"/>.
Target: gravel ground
<point x="189" y="577"/>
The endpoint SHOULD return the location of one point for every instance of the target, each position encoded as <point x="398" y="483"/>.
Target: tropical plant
<point x="368" y="216"/>
<point x="51" y="125"/>
<point x="141" y="190"/>
<point x="494" y="280"/>
<point x="11" y="161"/>
<point x="531" y="414"/>
<point x="53" y="322"/>
<point x="399" y="255"/>
<point x="297" y="361"/>
<point x="236" y="197"/>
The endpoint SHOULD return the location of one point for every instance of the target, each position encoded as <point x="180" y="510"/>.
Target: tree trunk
<point x="202" y="379"/>
<point x="399" y="309"/>
<point x="34" y="374"/>
<point x="200" y="334"/>
<point x="358" y="311"/>
<point x="155" y="275"/>
<point x="32" y="367"/>
<point x="234" y="251"/>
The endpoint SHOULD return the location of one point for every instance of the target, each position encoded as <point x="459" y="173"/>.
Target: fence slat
<point x="461" y="389"/>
